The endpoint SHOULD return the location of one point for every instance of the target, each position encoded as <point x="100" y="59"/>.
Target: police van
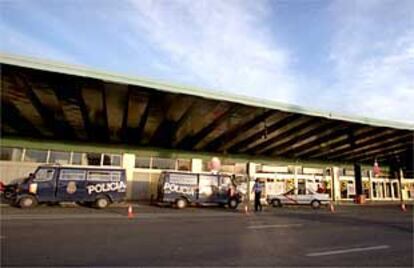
<point x="182" y="189"/>
<point x="92" y="186"/>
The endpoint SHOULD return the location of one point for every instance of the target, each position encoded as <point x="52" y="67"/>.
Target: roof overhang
<point x="53" y="100"/>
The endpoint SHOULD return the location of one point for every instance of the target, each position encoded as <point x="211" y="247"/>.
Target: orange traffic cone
<point x="403" y="208"/>
<point x="331" y="207"/>
<point x="130" y="214"/>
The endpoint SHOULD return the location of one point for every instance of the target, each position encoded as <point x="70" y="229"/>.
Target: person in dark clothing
<point x="257" y="190"/>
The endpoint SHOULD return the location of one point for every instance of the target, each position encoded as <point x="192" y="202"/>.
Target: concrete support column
<point x="251" y="171"/>
<point x="400" y="180"/>
<point x="371" y="186"/>
<point x="359" y="194"/>
<point x="335" y="184"/>
<point x="128" y="162"/>
<point x="196" y="165"/>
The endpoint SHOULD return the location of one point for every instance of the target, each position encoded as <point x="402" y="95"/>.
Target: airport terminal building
<point x="61" y="114"/>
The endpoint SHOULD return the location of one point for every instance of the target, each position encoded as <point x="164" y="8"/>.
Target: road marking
<point x="274" y="226"/>
<point x="344" y="251"/>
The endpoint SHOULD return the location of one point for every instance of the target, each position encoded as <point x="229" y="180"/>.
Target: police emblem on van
<point x="71" y="189"/>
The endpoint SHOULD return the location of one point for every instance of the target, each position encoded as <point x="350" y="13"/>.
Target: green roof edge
<point x="69" y="69"/>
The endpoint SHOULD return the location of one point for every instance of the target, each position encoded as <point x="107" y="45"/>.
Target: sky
<point x="353" y="57"/>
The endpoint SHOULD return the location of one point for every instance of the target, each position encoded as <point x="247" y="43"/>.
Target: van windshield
<point x="44" y="174"/>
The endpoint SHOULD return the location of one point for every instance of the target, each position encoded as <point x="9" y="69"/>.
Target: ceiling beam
<point x="355" y="142"/>
<point x="219" y="114"/>
<point x="93" y="98"/>
<point x="242" y="125"/>
<point x="176" y="107"/>
<point x="68" y="95"/>
<point x="17" y="96"/>
<point x="382" y="156"/>
<point x="310" y="141"/>
<point x="238" y="114"/>
<point x="288" y="144"/>
<point x="282" y="134"/>
<point x="377" y="144"/>
<point x="135" y="110"/>
<point x="115" y="99"/>
<point x="344" y="136"/>
<point x="380" y="148"/>
<point x="17" y="121"/>
<point x="201" y="113"/>
<point x="152" y="118"/>
<point x="266" y="131"/>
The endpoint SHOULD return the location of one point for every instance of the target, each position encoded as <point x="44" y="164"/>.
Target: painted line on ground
<point x="344" y="251"/>
<point x="275" y="226"/>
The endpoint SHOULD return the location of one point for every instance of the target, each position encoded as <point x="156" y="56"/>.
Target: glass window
<point x="10" y="154"/>
<point x="301" y="187"/>
<point x="142" y="162"/>
<point x="93" y="159"/>
<point x="79" y="159"/>
<point x="72" y="175"/>
<point x="184" y="164"/>
<point x="112" y="160"/>
<point x="44" y="174"/>
<point x="163" y="163"/>
<point x="59" y="157"/>
<point x="99" y="175"/>
<point x="115" y="175"/>
<point x="38" y="156"/>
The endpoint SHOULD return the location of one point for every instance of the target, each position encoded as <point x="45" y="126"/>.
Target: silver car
<point x="299" y="197"/>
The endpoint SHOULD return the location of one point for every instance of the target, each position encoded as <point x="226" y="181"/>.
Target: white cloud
<point x="373" y="57"/>
<point x="220" y="44"/>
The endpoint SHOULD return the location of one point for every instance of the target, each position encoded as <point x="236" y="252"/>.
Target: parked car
<point x="87" y="185"/>
<point x="299" y="197"/>
<point x="182" y="189"/>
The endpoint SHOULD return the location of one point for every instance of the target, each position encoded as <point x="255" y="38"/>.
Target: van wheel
<point x="233" y="203"/>
<point x="181" y="203"/>
<point x="27" y="201"/>
<point x="315" y="204"/>
<point x="276" y="203"/>
<point x="101" y="202"/>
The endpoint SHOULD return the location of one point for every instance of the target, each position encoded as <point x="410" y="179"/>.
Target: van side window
<point x="72" y="175"/>
<point x="115" y="176"/>
<point x="98" y="175"/>
<point x="44" y="174"/>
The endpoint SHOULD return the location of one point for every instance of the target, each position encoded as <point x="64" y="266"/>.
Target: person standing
<point x="257" y="190"/>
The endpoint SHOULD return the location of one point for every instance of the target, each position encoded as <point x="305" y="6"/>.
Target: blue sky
<point x="352" y="56"/>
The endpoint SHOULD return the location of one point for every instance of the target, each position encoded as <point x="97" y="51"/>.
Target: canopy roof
<point x="51" y="100"/>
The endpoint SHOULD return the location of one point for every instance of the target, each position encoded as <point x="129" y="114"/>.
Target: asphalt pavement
<point x="380" y="236"/>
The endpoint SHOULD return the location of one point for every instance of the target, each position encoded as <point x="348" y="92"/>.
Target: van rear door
<point x="71" y="185"/>
<point x="208" y="188"/>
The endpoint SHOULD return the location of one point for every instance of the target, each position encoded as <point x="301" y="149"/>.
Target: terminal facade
<point x="144" y="167"/>
<point x="58" y="114"/>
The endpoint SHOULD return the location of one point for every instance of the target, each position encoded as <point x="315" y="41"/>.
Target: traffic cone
<point x="403" y="208"/>
<point x="130" y="214"/>
<point x="331" y="207"/>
